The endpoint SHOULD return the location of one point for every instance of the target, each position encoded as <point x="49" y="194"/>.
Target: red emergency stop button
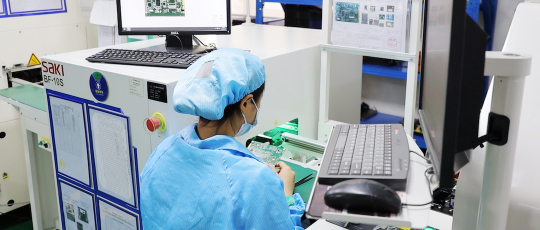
<point x="155" y="123"/>
<point x="152" y="124"/>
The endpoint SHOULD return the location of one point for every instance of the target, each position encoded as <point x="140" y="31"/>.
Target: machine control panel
<point x="157" y="92"/>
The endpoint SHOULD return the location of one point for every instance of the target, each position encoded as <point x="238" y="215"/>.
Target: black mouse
<point x="360" y="195"/>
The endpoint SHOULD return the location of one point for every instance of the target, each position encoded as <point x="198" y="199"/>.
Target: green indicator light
<point x="429" y="228"/>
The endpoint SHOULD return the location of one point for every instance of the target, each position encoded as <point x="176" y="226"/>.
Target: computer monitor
<point x="452" y="85"/>
<point x="178" y="19"/>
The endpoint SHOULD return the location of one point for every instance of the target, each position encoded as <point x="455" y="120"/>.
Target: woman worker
<point x="203" y="178"/>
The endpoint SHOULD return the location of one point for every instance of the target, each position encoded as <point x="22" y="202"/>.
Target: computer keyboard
<point x="145" y="58"/>
<point x="377" y="152"/>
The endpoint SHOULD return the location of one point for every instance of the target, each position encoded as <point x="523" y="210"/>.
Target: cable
<point x="198" y="40"/>
<point x="428" y="171"/>
<point x="429" y="181"/>
<point x="181" y="44"/>
<point x="423" y="157"/>
<point x="417" y="204"/>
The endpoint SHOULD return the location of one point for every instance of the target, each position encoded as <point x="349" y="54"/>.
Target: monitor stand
<point x="179" y="43"/>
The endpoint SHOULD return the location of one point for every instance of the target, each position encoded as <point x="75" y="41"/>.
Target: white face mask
<point x="246" y="126"/>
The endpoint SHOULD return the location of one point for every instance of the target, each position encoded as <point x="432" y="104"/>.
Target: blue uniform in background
<point x="216" y="183"/>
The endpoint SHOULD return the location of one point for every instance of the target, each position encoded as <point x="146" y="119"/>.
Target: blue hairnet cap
<point x="220" y="78"/>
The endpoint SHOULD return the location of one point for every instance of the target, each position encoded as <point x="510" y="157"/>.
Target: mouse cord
<point x="421" y="155"/>
<point x="428" y="171"/>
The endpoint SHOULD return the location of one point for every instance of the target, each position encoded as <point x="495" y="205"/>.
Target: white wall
<point x="270" y="10"/>
<point x="505" y="13"/>
<point x="45" y="34"/>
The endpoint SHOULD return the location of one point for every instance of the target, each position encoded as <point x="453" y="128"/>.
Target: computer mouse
<point x="360" y="195"/>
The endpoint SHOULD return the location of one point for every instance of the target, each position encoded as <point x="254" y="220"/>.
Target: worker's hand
<point x="274" y="168"/>
<point x="287" y="175"/>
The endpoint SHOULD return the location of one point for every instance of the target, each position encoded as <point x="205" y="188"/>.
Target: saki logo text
<point x="49" y="69"/>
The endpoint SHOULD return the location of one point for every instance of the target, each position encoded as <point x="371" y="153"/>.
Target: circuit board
<point x="268" y="153"/>
<point x="164" y="8"/>
<point x="347" y="12"/>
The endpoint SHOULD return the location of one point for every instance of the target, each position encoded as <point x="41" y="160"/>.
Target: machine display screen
<point x="173" y="15"/>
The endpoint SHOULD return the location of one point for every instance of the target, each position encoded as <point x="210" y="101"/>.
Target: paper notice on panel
<point x="370" y="24"/>
<point x="78" y="208"/>
<point x="112" y="155"/>
<point x="136" y="87"/>
<point x="70" y="138"/>
<point x="113" y="218"/>
<point x="22" y="6"/>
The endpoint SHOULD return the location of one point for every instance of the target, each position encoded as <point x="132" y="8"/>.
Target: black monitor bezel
<point x="169" y="32"/>
<point x="461" y="117"/>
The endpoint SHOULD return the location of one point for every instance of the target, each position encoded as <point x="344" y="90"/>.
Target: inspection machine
<point x="106" y="119"/>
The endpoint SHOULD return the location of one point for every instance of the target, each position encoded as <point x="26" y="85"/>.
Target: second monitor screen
<point x="173" y="15"/>
<point x="170" y="8"/>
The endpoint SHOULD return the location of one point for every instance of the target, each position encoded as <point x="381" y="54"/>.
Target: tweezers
<point x="304" y="180"/>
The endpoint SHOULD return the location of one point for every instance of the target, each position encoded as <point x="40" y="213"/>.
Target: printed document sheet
<point x="70" y="138"/>
<point x="112" y="155"/>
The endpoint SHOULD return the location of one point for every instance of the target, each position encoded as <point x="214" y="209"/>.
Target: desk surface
<point x="301" y="171"/>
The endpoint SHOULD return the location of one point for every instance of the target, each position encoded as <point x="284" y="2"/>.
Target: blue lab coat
<point x="217" y="183"/>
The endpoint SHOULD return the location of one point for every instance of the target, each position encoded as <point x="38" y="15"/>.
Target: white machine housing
<point x="292" y="82"/>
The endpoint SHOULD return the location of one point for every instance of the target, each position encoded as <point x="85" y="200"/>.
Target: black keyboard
<point x="376" y="152"/>
<point x="145" y="58"/>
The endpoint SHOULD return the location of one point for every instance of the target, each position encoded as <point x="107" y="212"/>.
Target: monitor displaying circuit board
<point x="178" y="17"/>
<point x="165" y="8"/>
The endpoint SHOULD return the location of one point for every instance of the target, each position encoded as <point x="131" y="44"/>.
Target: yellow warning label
<point x="62" y="164"/>
<point x="276" y="123"/>
<point x="33" y="60"/>
<point x="45" y="139"/>
<point x="404" y="228"/>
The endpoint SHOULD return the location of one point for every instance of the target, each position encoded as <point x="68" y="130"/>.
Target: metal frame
<point x="93" y="188"/>
<point x="510" y="71"/>
<point x="6" y="13"/>
<point x="38" y="124"/>
<point x="411" y="57"/>
<point x="131" y="159"/>
<point x="98" y="215"/>
<point x="88" y="152"/>
<point x="81" y="189"/>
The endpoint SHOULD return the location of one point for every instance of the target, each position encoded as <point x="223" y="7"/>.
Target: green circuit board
<point x="268" y="153"/>
<point x="347" y="12"/>
<point x="164" y="8"/>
